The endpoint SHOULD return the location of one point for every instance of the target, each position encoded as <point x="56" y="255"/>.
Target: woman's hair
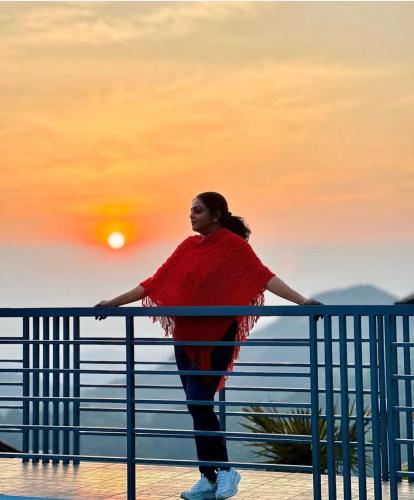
<point x="216" y="202"/>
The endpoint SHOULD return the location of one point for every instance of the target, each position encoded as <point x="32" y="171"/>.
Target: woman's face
<point x="201" y="220"/>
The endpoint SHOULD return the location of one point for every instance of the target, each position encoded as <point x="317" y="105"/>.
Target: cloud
<point x="98" y="25"/>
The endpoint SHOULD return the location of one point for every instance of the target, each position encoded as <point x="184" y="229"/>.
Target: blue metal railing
<point x="51" y="401"/>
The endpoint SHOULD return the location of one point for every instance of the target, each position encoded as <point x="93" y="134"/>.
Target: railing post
<point x="66" y="388"/>
<point x="56" y="388"/>
<point x="374" y="408"/>
<point x="76" y="388"/>
<point x="130" y="390"/>
<point x="359" y="407"/>
<point x="394" y="354"/>
<point x="313" y="362"/>
<point x="408" y="396"/>
<point x="222" y="409"/>
<point x="391" y="369"/>
<point x="330" y="421"/>
<point x="26" y="386"/>
<point x="383" y="399"/>
<point x="45" y="388"/>
<point x="36" y="392"/>
<point x="343" y="357"/>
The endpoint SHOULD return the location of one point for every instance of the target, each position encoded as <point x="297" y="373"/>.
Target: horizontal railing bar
<point x="239" y="465"/>
<point x="19" y="340"/>
<point x="197" y="402"/>
<point x="228" y="388"/>
<point x="62" y="370"/>
<point x="307" y="311"/>
<point x="10" y="407"/>
<point x="11" y="360"/>
<point x="104" y="433"/>
<point x="219" y="372"/>
<point x="103" y="408"/>
<point x="408" y="409"/>
<point x="103" y="386"/>
<point x="156" y="461"/>
<point x="287" y="389"/>
<point x="283" y="415"/>
<point x="240" y="436"/>
<point x="65" y="428"/>
<point x="228" y="413"/>
<point x="253" y="437"/>
<point x="223" y="343"/>
<point x="155" y="372"/>
<point x="103" y="362"/>
<point x="263" y="363"/>
<point x="237" y="363"/>
<point x="153" y="401"/>
<point x="63" y="398"/>
<point x="404" y="441"/>
<point x="173" y="412"/>
<point x="294" y="438"/>
<point x="402" y="473"/>
<point x="183" y="432"/>
<point x="11" y="383"/>
<point x="56" y="456"/>
<point x="163" y="341"/>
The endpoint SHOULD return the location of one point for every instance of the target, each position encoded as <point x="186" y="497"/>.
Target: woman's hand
<point x="103" y="303"/>
<point x="313" y="302"/>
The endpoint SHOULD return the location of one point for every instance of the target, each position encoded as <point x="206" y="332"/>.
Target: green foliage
<point x="281" y="452"/>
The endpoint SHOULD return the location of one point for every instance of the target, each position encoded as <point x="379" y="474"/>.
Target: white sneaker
<point x="202" y="490"/>
<point x="227" y="481"/>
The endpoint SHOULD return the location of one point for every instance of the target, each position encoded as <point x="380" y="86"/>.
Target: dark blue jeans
<point x="204" y="388"/>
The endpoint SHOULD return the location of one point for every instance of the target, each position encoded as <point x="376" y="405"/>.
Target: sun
<point x="116" y="240"/>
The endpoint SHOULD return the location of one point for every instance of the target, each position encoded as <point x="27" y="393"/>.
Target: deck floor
<point x="103" y="481"/>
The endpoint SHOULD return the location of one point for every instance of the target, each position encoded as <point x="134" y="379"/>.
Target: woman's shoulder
<point x="234" y="238"/>
<point x="187" y="242"/>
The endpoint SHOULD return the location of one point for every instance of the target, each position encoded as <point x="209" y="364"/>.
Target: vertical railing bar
<point x="46" y="387"/>
<point x="130" y="394"/>
<point x="313" y="362"/>
<point x="374" y="408"/>
<point x="330" y="421"/>
<point x="56" y="387"/>
<point x="394" y="354"/>
<point x="66" y="388"/>
<point x="35" y="405"/>
<point x="222" y="409"/>
<point x="408" y="396"/>
<point x="343" y="354"/>
<point x="390" y="370"/>
<point x="359" y="400"/>
<point x="382" y="396"/>
<point x="26" y="386"/>
<point x="76" y="388"/>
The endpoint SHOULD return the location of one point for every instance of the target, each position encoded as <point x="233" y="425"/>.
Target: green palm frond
<point x="280" y="452"/>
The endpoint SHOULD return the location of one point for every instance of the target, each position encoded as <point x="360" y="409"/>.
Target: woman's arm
<point x="280" y="288"/>
<point x="133" y="295"/>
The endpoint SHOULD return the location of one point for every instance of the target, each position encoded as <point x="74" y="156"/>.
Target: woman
<point x="215" y="267"/>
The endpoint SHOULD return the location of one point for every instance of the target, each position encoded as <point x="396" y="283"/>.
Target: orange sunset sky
<point x="113" y="116"/>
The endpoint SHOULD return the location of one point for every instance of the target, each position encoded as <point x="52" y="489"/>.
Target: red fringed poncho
<point x="220" y="269"/>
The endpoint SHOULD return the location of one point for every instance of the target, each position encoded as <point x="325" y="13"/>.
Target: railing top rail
<point x="290" y="310"/>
